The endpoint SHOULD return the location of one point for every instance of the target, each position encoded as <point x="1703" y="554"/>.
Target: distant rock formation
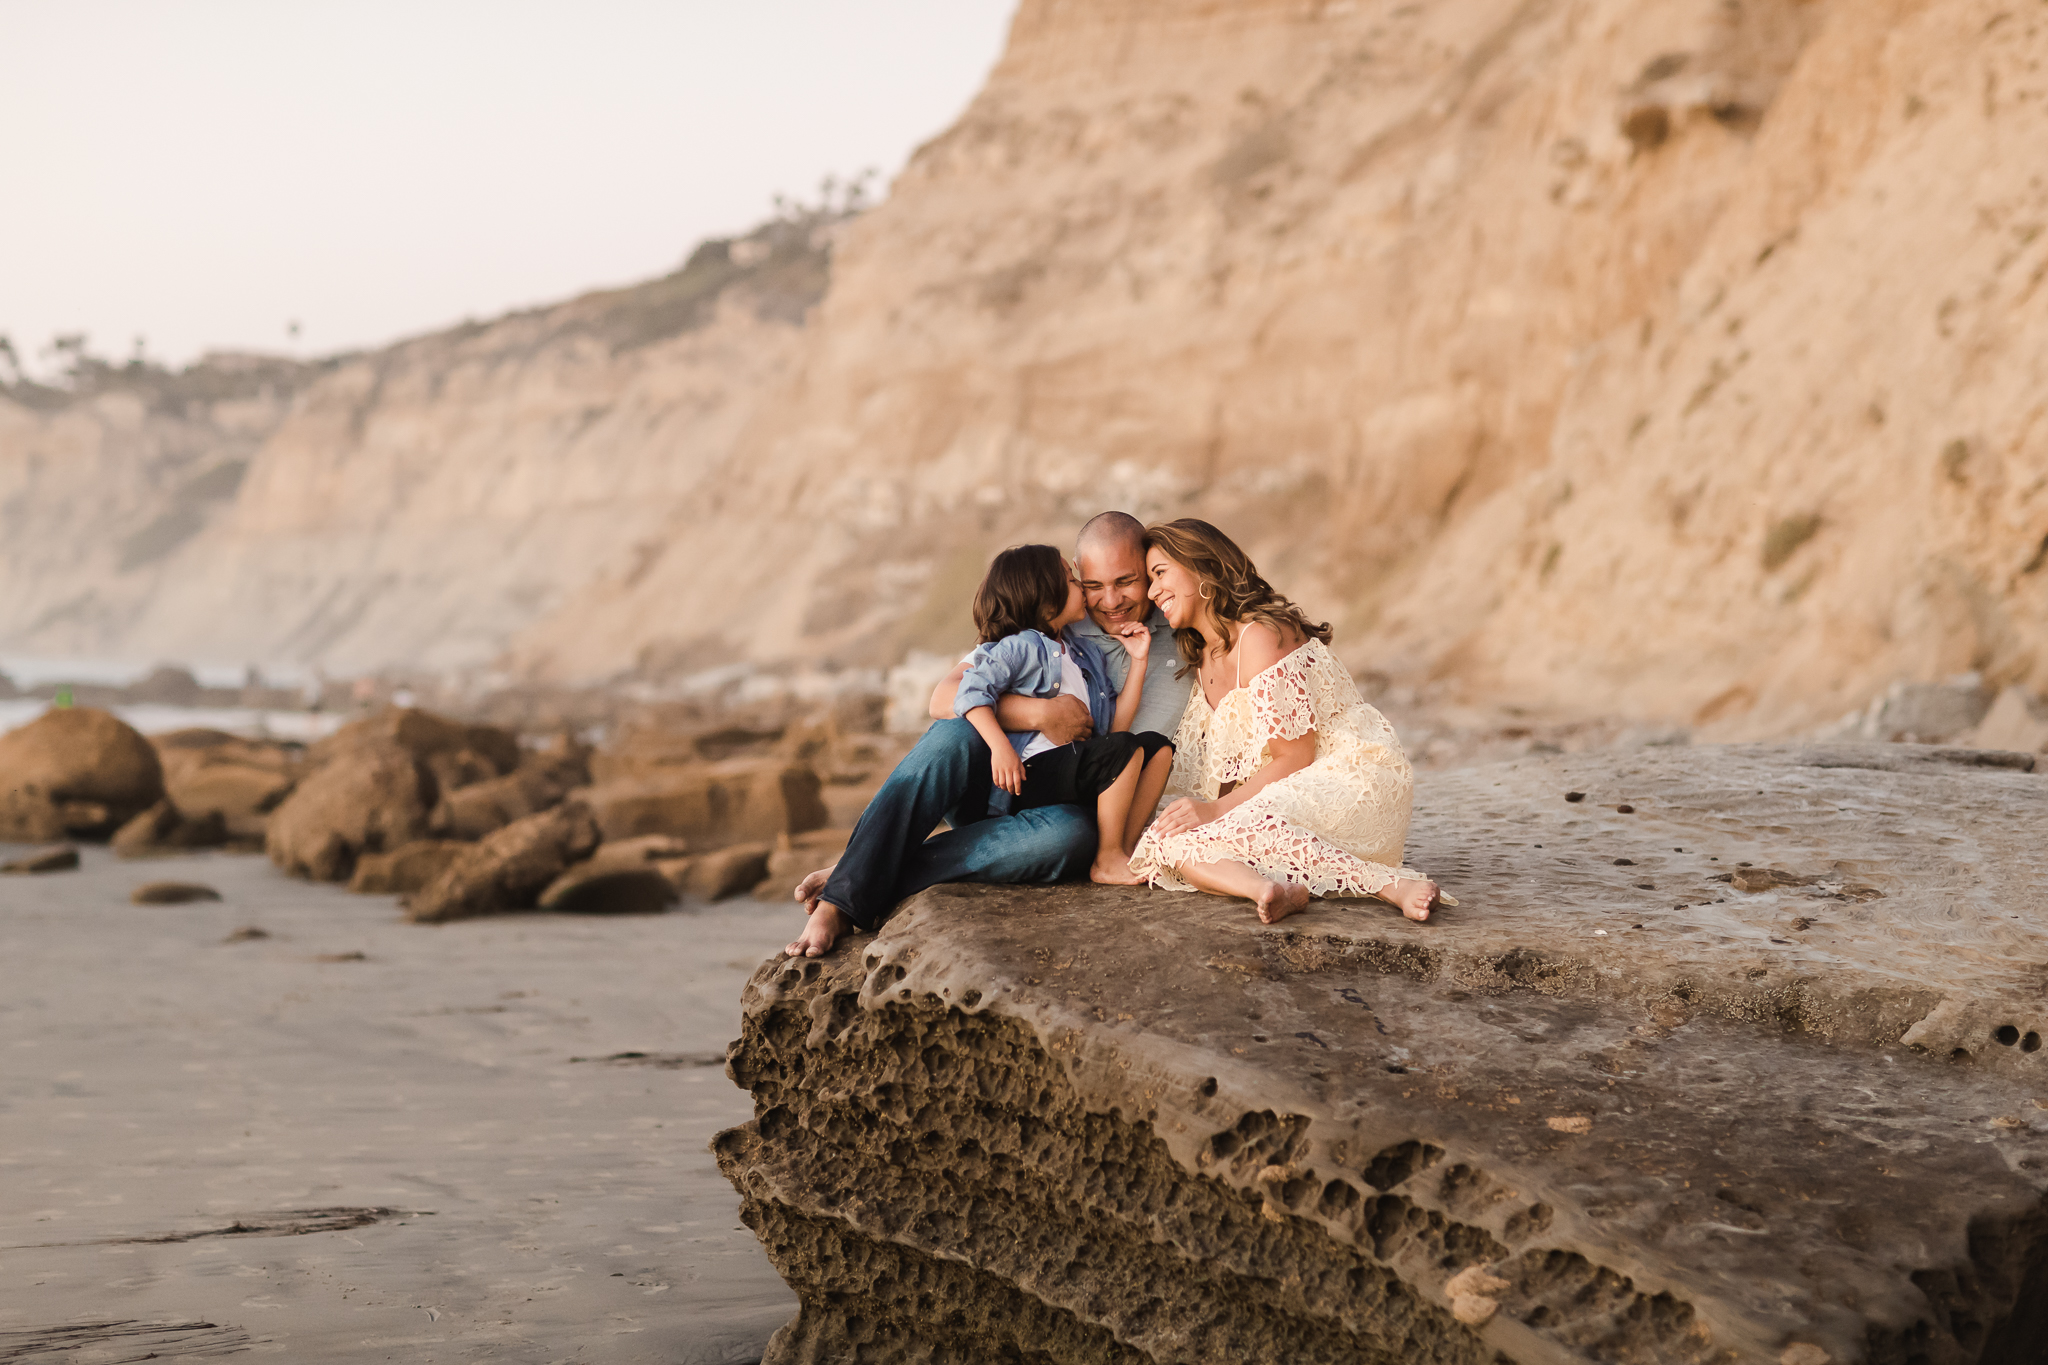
<point x="413" y="506"/>
<point x="1729" y="1054"/>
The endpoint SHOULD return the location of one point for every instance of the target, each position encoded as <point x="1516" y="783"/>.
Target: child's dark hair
<point x="1024" y="589"/>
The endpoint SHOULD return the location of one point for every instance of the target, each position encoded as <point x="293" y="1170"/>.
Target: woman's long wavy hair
<point x="1025" y="588"/>
<point x="1236" y="592"/>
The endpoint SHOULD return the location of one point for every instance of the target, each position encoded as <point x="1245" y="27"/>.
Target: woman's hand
<point x="1008" y="769"/>
<point x="1184" y="815"/>
<point x="1137" y="640"/>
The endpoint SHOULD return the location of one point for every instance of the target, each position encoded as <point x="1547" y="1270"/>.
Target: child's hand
<point x="1009" y="769"/>
<point x="1137" y="640"/>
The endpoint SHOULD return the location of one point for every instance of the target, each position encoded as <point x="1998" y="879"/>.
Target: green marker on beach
<point x="63" y="697"/>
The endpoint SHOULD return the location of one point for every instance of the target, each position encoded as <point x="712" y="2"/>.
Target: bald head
<point x="1118" y="531"/>
<point x="1110" y="558"/>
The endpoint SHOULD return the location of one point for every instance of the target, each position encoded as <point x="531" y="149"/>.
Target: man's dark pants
<point x="889" y="857"/>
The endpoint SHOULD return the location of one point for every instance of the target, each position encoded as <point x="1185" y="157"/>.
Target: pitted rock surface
<point x="1579" y="1118"/>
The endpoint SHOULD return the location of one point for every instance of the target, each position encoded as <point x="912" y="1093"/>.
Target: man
<point x="1047" y="843"/>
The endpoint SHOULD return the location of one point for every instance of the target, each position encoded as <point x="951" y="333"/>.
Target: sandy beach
<point x="356" y="1138"/>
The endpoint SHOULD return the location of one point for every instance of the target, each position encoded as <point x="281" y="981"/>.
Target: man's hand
<point x="1066" y="719"/>
<point x="1008" y="769"/>
<point x="1184" y="815"/>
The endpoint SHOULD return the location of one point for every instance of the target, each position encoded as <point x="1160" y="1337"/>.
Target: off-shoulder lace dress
<point x="1336" y="826"/>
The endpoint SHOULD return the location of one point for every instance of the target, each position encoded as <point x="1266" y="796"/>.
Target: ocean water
<point x="27" y="670"/>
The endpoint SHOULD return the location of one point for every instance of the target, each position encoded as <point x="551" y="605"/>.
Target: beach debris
<point x="662" y="1061"/>
<point x="1570" y="1123"/>
<point x="248" y="933"/>
<point x="1473" y="1294"/>
<point x="172" y="893"/>
<point x="56" y="858"/>
<point x="357" y="956"/>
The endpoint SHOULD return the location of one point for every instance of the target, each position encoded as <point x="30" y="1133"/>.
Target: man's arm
<point x="1060" y="719"/>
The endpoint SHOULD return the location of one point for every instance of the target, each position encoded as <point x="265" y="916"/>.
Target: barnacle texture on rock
<point x="1573" y="1120"/>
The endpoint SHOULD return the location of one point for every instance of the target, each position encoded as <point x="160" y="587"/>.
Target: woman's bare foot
<point x="1415" y="899"/>
<point x="826" y="928"/>
<point x="1277" y="900"/>
<point x="808" y="890"/>
<point x="1113" y="869"/>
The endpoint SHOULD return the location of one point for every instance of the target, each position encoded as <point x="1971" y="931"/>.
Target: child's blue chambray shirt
<point x="1028" y="663"/>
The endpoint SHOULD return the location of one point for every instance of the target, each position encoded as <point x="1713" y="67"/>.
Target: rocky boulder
<point x="74" y="770"/>
<point x="540" y="781"/>
<point x="613" y="889"/>
<point x="243" y="780"/>
<point x="711" y="805"/>
<point x="426" y="736"/>
<point x="2016" y="721"/>
<point x="628" y="876"/>
<point x="796" y="858"/>
<point x="510" y="868"/>
<point x="731" y="871"/>
<point x="404" y="869"/>
<point x="164" y="828"/>
<point x="369" y="799"/>
<point x="1621" y="1105"/>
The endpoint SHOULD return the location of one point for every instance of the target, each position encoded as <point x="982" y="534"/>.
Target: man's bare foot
<point x="1277" y="900"/>
<point x="1415" y="899"/>
<point x="808" y="889"/>
<point x="826" y="928"/>
<point x="1113" y="869"/>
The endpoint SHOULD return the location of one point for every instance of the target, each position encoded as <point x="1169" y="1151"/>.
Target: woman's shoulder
<point x="1261" y="645"/>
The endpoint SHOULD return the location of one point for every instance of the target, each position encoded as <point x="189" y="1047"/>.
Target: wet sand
<point x="275" y="1146"/>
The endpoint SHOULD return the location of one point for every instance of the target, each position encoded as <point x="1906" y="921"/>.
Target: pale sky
<point x="202" y="173"/>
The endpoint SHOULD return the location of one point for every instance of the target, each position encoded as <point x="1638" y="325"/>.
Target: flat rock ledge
<point x="1614" y="1108"/>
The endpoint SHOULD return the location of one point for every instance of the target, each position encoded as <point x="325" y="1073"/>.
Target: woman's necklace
<point x="1212" y="667"/>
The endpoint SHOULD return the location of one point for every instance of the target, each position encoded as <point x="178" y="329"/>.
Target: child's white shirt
<point x="1072" y="684"/>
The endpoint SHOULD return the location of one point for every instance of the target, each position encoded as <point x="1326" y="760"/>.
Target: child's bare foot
<point x="1277" y="900"/>
<point x="1113" y="869"/>
<point x="1415" y="899"/>
<point x="826" y="928"/>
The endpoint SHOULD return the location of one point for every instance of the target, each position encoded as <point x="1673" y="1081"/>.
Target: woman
<point x="1295" y="787"/>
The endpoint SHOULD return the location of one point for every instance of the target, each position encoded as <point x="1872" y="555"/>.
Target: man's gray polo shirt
<point x="1165" y="695"/>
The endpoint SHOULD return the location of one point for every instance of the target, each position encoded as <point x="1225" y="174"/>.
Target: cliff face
<point x="416" y="506"/>
<point x="99" y="488"/>
<point x="1676" y="361"/>
<point x="1728" y="1060"/>
<point x="1680" y="360"/>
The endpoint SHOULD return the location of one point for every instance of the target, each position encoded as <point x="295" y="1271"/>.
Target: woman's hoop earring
<point x="1205" y="594"/>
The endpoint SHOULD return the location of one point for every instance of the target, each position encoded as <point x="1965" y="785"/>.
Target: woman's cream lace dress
<point x="1336" y="827"/>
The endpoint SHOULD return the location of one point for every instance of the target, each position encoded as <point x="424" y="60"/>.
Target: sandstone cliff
<point x="1680" y="360"/>
<point x="412" y="507"/>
